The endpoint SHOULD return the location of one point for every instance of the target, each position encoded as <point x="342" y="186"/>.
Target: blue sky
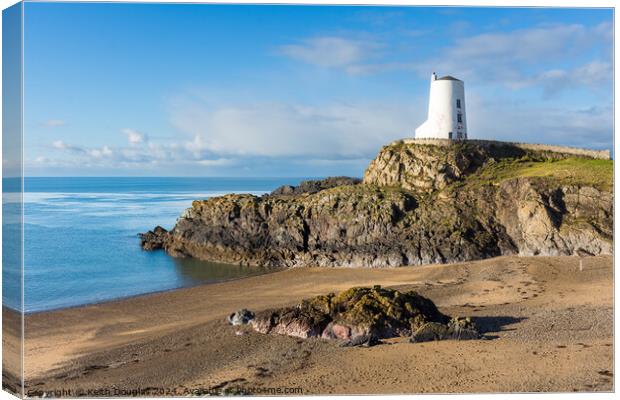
<point x="231" y="90"/>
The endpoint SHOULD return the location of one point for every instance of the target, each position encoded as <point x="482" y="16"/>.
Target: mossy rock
<point x="384" y="312"/>
<point x="456" y="328"/>
<point x="359" y="312"/>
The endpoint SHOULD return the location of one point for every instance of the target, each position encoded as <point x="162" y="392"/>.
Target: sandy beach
<point x="548" y="323"/>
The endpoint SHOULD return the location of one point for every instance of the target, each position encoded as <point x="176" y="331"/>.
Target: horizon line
<point x="176" y="176"/>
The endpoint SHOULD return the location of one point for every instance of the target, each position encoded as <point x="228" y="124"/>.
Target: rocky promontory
<point x="419" y="203"/>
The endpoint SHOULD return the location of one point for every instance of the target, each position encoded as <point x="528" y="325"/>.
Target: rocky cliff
<point x="417" y="204"/>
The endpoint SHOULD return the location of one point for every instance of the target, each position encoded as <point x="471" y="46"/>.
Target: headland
<point x="420" y="202"/>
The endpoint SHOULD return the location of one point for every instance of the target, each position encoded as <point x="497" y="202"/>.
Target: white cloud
<point x="219" y="162"/>
<point x="134" y="137"/>
<point x="531" y="44"/>
<point x="146" y="155"/>
<point x="605" y="31"/>
<point x="503" y="119"/>
<point x="292" y="130"/>
<point x="59" y="144"/>
<point x="523" y="57"/>
<point x="515" y="59"/>
<point x="330" y="51"/>
<point x="102" y="152"/>
<point x="593" y="74"/>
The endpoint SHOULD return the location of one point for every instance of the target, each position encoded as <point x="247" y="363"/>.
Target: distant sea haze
<point x="81" y="244"/>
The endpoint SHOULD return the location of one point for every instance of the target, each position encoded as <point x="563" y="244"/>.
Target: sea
<point x="81" y="242"/>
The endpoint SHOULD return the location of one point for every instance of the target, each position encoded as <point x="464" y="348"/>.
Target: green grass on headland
<point x="570" y="171"/>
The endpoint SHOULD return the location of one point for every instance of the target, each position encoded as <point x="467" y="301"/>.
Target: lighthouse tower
<point x="446" y="110"/>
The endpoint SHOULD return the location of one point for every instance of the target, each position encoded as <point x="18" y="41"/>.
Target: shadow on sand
<point x="492" y="324"/>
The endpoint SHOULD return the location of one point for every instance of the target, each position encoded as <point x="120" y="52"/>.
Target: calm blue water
<point x="81" y="244"/>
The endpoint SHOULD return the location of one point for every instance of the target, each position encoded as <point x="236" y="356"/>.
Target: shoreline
<point x="123" y="298"/>
<point x="205" y="284"/>
<point x="531" y="308"/>
<point x="275" y="270"/>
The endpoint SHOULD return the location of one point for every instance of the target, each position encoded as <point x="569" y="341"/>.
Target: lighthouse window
<point x="459" y="117"/>
<point x="458" y="103"/>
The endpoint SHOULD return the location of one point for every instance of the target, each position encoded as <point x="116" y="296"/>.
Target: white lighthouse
<point x="446" y="110"/>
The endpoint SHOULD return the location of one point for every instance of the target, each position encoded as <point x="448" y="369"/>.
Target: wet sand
<point x="549" y="327"/>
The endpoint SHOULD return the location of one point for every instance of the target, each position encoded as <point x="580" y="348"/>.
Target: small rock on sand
<point x="241" y="317"/>
<point x="456" y="328"/>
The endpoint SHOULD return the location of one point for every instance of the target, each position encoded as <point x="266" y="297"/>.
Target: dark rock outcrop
<point x="418" y="204"/>
<point x="363" y="316"/>
<point x="153" y="240"/>
<point x="314" y="186"/>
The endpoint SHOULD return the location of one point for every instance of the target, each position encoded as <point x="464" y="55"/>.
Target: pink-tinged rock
<point x="296" y="329"/>
<point x="336" y="331"/>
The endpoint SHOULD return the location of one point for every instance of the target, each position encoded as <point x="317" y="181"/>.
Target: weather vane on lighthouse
<point x="446" y="110"/>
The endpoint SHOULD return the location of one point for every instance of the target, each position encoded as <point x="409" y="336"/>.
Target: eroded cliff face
<point x="422" y="167"/>
<point x="555" y="221"/>
<point x="417" y="205"/>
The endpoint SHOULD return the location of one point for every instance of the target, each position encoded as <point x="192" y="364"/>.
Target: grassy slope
<point x="570" y="171"/>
